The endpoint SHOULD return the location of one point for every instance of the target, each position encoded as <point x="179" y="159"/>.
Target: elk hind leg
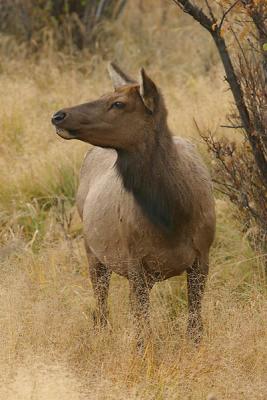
<point x="196" y="279"/>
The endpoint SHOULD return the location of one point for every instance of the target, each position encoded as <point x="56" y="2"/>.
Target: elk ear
<point x="118" y="78"/>
<point x="148" y="91"/>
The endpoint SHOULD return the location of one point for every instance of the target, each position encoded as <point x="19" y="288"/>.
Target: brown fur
<point x="145" y="198"/>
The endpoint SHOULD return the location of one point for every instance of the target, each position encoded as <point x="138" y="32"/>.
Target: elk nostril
<point x="58" y="117"/>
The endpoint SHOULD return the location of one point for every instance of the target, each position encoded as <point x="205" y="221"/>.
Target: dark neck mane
<point x="155" y="178"/>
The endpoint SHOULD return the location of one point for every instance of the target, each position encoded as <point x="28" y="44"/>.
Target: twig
<point x="232" y="126"/>
<point x="210" y="11"/>
<point x="226" y="13"/>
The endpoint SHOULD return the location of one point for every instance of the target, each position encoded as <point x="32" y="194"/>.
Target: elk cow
<point x="145" y="197"/>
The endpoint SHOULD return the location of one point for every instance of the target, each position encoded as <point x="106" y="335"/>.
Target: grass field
<point x="48" y="347"/>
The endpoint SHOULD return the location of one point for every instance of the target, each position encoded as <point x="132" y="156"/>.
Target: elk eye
<point x="118" y="104"/>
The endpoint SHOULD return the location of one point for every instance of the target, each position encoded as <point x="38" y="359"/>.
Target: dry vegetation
<point x="48" y="348"/>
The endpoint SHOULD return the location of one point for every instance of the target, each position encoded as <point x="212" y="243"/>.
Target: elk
<point x="145" y="197"/>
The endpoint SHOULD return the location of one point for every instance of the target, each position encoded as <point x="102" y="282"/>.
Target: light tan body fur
<point x="116" y="231"/>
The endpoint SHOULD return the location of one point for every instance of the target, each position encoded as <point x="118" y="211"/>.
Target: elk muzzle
<point x="58" y="117"/>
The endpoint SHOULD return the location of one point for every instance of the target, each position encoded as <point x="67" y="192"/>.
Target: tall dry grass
<point x="48" y="347"/>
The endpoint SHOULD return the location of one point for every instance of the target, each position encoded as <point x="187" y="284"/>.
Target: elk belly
<point x="120" y="236"/>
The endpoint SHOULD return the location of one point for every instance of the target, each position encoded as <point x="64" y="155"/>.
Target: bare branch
<point x="196" y="13"/>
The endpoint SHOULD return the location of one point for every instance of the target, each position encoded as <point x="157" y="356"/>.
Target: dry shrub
<point x="237" y="176"/>
<point x="240" y="167"/>
<point x="239" y="30"/>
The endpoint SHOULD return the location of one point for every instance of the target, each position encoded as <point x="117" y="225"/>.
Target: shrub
<point x="66" y="20"/>
<point x="239" y="30"/>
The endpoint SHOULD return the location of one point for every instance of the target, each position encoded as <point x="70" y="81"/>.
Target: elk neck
<point x="154" y="174"/>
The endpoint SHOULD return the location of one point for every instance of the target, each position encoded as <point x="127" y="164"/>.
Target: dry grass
<point x="48" y="347"/>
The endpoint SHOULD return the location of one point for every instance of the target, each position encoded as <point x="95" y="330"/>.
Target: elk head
<point x="120" y="120"/>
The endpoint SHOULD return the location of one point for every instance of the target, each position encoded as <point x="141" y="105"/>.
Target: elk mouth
<point x="64" y="133"/>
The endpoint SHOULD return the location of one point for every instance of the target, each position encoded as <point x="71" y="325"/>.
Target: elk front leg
<point x="100" y="278"/>
<point x="139" y="299"/>
<point x="196" y="279"/>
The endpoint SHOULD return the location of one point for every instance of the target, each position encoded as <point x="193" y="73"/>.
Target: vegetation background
<point x="48" y="347"/>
